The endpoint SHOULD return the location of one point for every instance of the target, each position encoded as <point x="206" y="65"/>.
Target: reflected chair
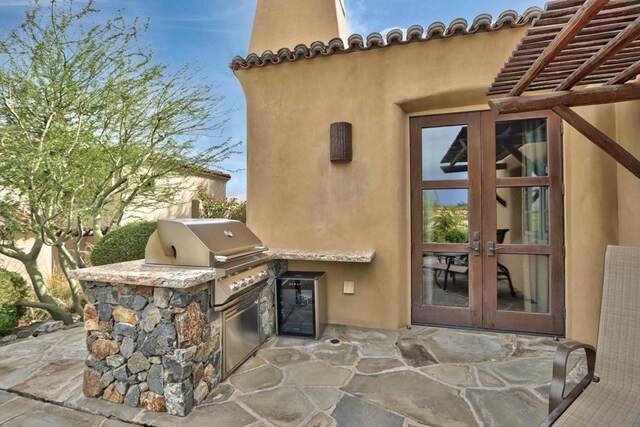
<point x="609" y="395"/>
<point x="503" y="271"/>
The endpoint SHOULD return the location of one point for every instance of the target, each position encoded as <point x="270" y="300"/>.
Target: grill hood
<point x="201" y="242"/>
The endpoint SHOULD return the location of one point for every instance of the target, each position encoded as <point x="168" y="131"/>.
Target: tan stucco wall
<point x="300" y="199"/>
<point x="45" y="260"/>
<point x="627" y="132"/>
<point x="287" y="23"/>
<point x="591" y="223"/>
<point x="602" y="208"/>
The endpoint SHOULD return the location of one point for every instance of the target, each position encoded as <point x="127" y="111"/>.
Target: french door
<point x="487" y="235"/>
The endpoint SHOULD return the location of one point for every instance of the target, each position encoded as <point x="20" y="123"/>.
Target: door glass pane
<point x="445" y="279"/>
<point x="444" y="153"/>
<point x="445" y="216"/>
<point x="521" y="148"/>
<point x="523" y="283"/>
<point x="523" y="215"/>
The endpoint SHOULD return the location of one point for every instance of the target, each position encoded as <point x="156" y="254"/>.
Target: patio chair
<point x="609" y="395"/>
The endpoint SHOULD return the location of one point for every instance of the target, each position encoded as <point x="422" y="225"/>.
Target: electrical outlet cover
<point x="349" y="288"/>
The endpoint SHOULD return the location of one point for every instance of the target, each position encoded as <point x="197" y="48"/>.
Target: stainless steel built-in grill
<point x="238" y="257"/>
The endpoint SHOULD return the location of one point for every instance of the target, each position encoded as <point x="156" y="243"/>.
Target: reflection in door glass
<point x="523" y="215"/>
<point x="444" y="153"/>
<point x="445" y="216"/>
<point x="521" y="148"/>
<point x="445" y="279"/>
<point x="523" y="283"/>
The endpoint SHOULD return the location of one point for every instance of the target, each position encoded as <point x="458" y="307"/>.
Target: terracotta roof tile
<point x="415" y="33"/>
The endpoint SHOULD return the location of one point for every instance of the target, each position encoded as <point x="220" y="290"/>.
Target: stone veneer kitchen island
<point x="153" y="338"/>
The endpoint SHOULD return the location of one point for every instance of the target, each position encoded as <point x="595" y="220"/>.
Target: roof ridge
<point x="416" y="33"/>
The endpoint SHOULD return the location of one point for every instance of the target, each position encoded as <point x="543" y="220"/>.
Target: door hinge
<point x="564" y="312"/>
<point x="563" y="189"/>
<point x="564" y="252"/>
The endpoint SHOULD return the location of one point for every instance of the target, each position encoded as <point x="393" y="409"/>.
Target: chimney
<point x="287" y="23"/>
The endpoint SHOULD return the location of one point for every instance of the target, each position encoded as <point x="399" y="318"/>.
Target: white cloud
<point x="356" y="16"/>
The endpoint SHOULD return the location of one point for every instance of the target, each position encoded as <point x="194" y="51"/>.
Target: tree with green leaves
<point x="91" y="127"/>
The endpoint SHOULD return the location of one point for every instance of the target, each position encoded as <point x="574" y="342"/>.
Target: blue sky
<point x="209" y="33"/>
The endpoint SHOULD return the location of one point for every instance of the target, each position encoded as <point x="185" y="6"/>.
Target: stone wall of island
<point x="156" y="347"/>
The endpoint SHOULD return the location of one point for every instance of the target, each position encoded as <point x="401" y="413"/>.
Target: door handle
<point x="492" y="248"/>
<point x="475" y="248"/>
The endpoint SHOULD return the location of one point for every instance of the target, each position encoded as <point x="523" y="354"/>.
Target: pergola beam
<point x="628" y="74"/>
<point x="546" y="101"/>
<point x="596" y="136"/>
<point x="582" y="17"/>
<point x="622" y="40"/>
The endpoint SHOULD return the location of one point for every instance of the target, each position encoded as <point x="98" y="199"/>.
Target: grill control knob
<point x="235" y="286"/>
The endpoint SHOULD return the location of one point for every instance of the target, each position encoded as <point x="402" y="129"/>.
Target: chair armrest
<point x="558" y="382"/>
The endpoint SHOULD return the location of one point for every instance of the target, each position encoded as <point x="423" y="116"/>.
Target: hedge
<point x="13" y="288"/>
<point x="126" y="243"/>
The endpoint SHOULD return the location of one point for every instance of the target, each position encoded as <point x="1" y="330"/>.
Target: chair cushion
<point x="603" y="405"/>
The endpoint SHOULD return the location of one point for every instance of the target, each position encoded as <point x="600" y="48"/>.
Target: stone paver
<point x="257" y="379"/>
<point x="369" y="377"/>
<point x="321" y="420"/>
<point x="518" y="407"/>
<point x="467" y="347"/>
<point x="354" y="412"/>
<point x="415" y="396"/>
<point x="316" y="373"/>
<point x="323" y="397"/>
<point x="340" y="355"/>
<point x="377" y="365"/>
<point x="282" y="407"/>
<point x="22" y="412"/>
<point x="523" y="371"/>
<point x="456" y="375"/>
<point x="285" y="356"/>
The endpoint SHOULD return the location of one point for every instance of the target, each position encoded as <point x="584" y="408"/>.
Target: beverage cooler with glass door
<point x="301" y="299"/>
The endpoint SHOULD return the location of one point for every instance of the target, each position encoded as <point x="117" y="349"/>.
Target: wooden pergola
<point x="576" y="43"/>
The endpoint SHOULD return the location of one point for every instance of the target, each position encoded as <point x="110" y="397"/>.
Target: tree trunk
<point x="64" y="260"/>
<point x="57" y="312"/>
<point x="31" y="265"/>
<point x="97" y="228"/>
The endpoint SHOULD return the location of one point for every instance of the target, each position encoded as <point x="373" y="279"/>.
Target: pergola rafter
<point x="576" y="43"/>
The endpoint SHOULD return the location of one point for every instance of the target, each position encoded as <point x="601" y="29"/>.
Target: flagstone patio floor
<point x="366" y="377"/>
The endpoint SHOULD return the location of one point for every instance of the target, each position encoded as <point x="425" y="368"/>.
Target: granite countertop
<point x="140" y="274"/>
<point x="324" y="255"/>
<point x="137" y="273"/>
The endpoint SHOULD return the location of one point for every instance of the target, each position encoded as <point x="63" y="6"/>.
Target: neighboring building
<point x="422" y="131"/>
<point x="214" y="181"/>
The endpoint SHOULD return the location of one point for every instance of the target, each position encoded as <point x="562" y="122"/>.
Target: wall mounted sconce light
<point x="341" y="142"/>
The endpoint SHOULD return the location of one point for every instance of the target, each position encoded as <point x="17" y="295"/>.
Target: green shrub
<point x="13" y="288"/>
<point x="126" y="243"/>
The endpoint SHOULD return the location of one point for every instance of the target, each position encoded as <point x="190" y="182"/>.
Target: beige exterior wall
<point x="217" y="186"/>
<point x="300" y="199"/>
<point x="627" y="131"/>
<point x="45" y="260"/>
<point x="591" y="221"/>
<point x="287" y="23"/>
<point x="602" y="208"/>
